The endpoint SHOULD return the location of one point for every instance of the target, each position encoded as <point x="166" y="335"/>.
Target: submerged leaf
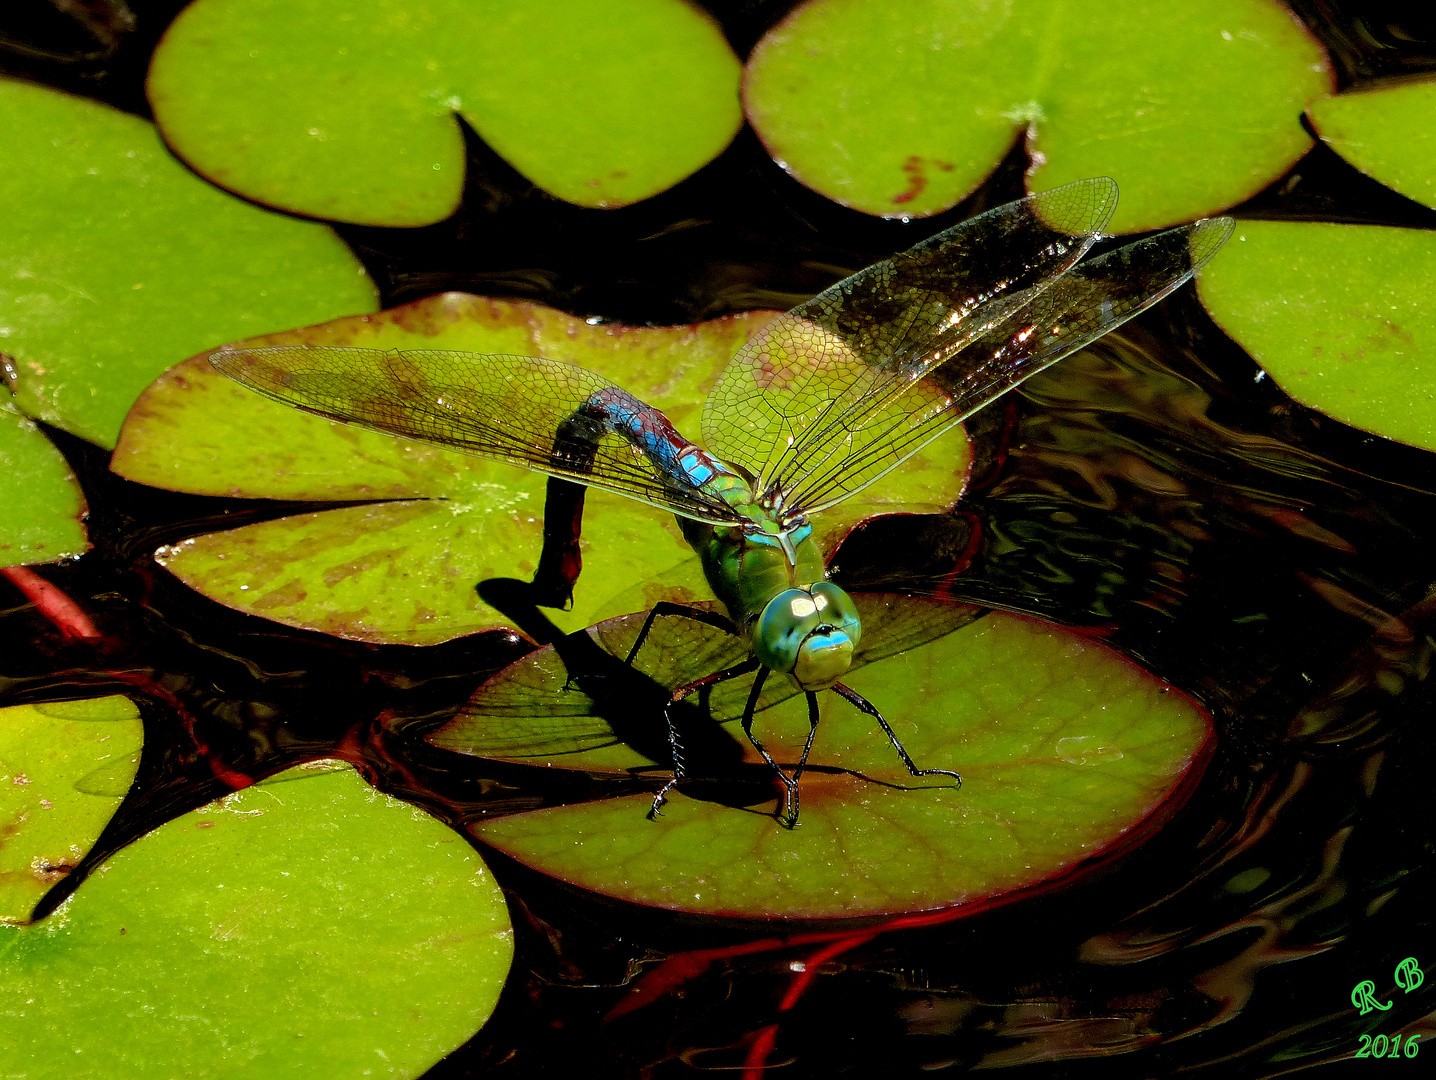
<point x="903" y="109"/>
<point x="349" y="109"/>
<point x="1067" y="752"/>
<point x="1339" y="315"/>
<point x="406" y="571"/>
<point x="116" y="261"/>
<point x="41" y="505"/>
<point x="309" y="928"/>
<point x="63" y="770"/>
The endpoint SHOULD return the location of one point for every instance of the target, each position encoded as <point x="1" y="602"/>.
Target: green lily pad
<point x="405" y="571"/>
<point x="117" y="262"/>
<point x="1067" y="752"/>
<point x="63" y="770"/>
<point x="1385" y="133"/>
<point x="902" y="109"/>
<point x="301" y="928"/>
<point x="1339" y="315"/>
<point x="41" y="505"/>
<point x="348" y="109"/>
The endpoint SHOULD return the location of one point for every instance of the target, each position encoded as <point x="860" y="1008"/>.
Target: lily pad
<point x="117" y="262"/>
<point x="301" y="928"/>
<point x="406" y="571"/>
<point x="348" y="109"/>
<point x="1386" y="133"/>
<point x="902" y="109"/>
<point x="1339" y="315"/>
<point x="1067" y="752"/>
<point x="41" y="505"/>
<point x="63" y="770"/>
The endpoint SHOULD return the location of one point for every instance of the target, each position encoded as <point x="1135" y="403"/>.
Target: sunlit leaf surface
<point x="1067" y="751"/>
<point x="116" y="261"/>
<point x="406" y="571"/>
<point x="1339" y="315"/>
<point x="903" y="109"/>
<point x="304" y="927"/>
<point x="350" y="109"/>
<point x="64" y="768"/>
<point x="40" y="500"/>
<point x="1386" y="133"/>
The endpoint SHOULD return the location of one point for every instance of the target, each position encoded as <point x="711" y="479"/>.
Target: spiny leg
<point x="812" y="733"/>
<point x="666" y="607"/>
<point x="675" y="744"/>
<point x="789" y="816"/>
<point x="867" y="707"/>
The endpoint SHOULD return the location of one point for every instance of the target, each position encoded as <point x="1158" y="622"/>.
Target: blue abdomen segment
<point x="614" y="411"/>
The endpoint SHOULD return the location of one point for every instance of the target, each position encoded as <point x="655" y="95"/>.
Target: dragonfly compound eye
<point x="808" y="633"/>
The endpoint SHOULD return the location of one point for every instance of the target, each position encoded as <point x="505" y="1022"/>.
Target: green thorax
<point x="747" y="565"/>
<point x="770" y="575"/>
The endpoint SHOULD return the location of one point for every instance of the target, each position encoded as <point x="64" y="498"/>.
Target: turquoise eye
<point x="789" y="618"/>
<point x="838" y="610"/>
<point x="809" y="633"/>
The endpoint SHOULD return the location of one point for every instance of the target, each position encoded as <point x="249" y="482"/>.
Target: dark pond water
<point x="1155" y="492"/>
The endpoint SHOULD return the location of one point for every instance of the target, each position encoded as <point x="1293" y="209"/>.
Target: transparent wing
<point x="805" y="382"/>
<point x="540" y="706"/>
<point x="1079" y="307"/>
<point x="511" y="408"/>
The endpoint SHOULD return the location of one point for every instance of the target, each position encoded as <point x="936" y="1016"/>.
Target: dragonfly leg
<point x="789" y="815"/>
<point x="866" y="706"/>
<point x="561" y="560"/>
<point x="812" y="733"/>
<point x="675" y="744"/>
<point x="666" y="607"/>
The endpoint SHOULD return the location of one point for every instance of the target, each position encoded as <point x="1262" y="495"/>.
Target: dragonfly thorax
<point x="809" y="633"/>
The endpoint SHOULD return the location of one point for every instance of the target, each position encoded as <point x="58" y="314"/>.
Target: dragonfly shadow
<point x="632" y="702"/>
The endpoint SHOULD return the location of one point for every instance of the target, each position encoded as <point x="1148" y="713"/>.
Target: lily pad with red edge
<point x="41" y="505"/>
<point x="303" y="927"/>
<point x="903" y="109"/>
<point x="1339" y="315"/>
<point x="349" y="109"/>
<point x="405" y="571"/>
<point x="1386" y="133"/>
<point x="116" y="261"/>
<point x="1068" y="753"/>
<point x="64" y="768"/>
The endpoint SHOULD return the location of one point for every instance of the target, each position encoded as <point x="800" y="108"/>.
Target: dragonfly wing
<point x="807" y="379"/>
<point x="524" y="410"/>
<point x="893" y="623"/>
<point x="1075" y="310"/>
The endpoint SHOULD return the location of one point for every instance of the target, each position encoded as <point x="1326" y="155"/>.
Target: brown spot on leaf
<point x="47" y="873"/>
<point x="653" y="594"/>
<point x="291" y="592"/>
<point x="374" y="560"/>
<point x="1396" y="331"/>
<point x="916" y="170"/>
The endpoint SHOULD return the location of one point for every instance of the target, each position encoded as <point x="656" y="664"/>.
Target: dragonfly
<point x="819" y="404"/>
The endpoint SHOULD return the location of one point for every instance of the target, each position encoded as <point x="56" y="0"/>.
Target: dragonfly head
<point x="810" y="634"/>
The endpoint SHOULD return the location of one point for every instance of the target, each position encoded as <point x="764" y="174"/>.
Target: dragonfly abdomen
<point x="682" y="464"/>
